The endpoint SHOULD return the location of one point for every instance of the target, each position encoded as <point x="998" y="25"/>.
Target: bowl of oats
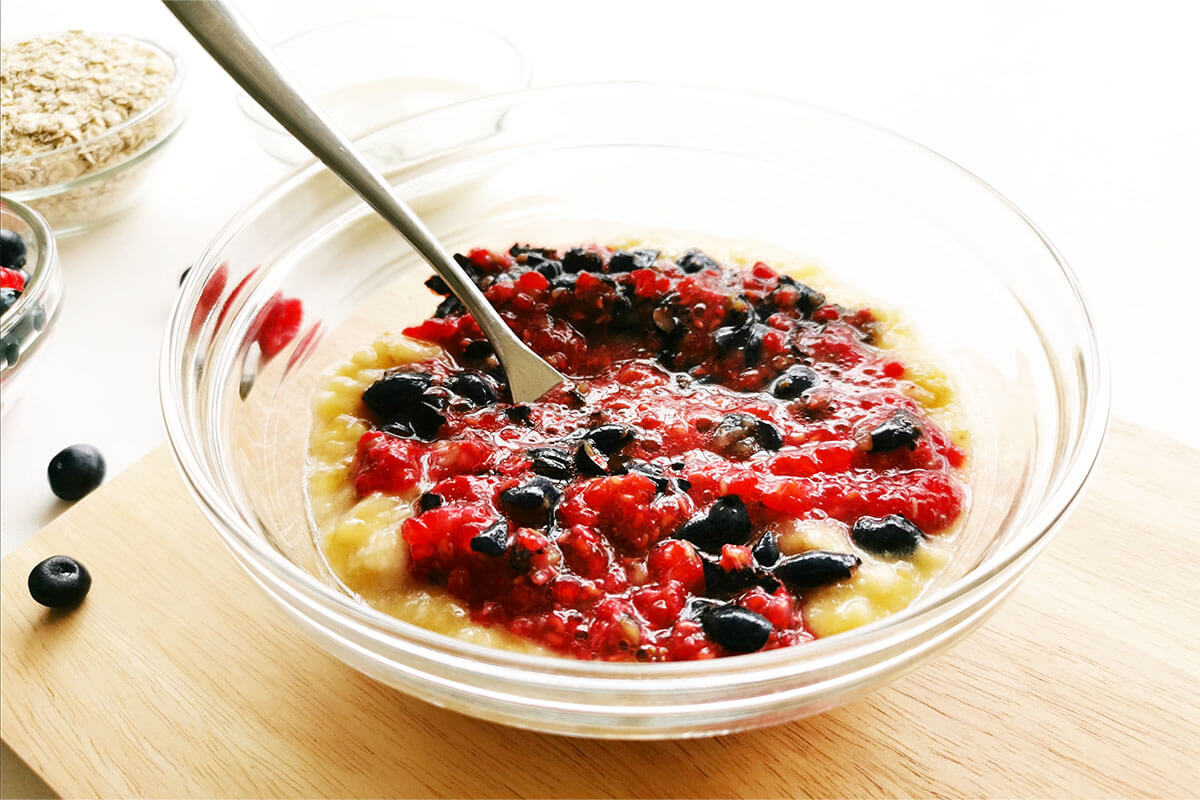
<point x="83" y="116"/>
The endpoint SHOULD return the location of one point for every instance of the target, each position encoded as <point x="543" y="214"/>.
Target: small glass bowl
<point x="982" y="286"/>
<point x="375" y="70"/>
<point x="26" y="326"/>
<point x="67" y="189"/>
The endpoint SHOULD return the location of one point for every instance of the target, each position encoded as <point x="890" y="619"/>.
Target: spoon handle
<point x="250" y="62"/>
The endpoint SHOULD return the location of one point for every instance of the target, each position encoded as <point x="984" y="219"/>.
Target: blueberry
<point x="608" y="439"/>
<point x="892" y="535"/>
<point x="450" y="307"/>
<point x="815" y="568"/>
<point x="59" y="582"/>
<point x="531" y="503"/>
<point x="737" y="629"/>
<point x="478" y="350"/>
<point x="727" y="522"/>
<point x="421" y="421"/>
<point x="468" y="267"/>
<point x="475" y="388"/>
<point x="10" y="349"/>
<point x="742" y="435"/>
<point x="518" y="413"/>
<point x="795" y="381"/>
<point x="651" y="471"/>
<point x="768" y="436"/>
<point x="75" y="471"/>
<point x="719" y="582"/>
<point x="12" y="249"/>
<point x="8" y="296"/>
<point x="394" y="394"/>
<point x="902" y="429"/>
<point x="588" y="460"/>
<point x="580" y="260"/>
<point x="552" y="463"/>
<point x="550" y="268"/>
<point x="436" y="285"/>
<point x="629" y="260"/>
<point x="766" y="550"/>
<point x="431" y="500"/>
<point x="493" y="541"/>
<point x="694" y="261"/>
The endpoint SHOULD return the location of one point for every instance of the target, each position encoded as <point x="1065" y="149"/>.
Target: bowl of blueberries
<point x="31" y="290"/>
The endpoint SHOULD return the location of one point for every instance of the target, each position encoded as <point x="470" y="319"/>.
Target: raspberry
<point x="281" y="323"/>
<point x="386" y="463"/>
<point x="11" y="279"/>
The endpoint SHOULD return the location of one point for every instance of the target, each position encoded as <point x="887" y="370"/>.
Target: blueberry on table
<point x="59" y="582"/>
<point x="737" y="629"/>
<point x="12" y="249"/>
<point x="75" y="471"/>
<point x="892" y="535"/>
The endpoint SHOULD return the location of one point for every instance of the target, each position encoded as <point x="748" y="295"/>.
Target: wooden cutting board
<point x="179" y="678"/>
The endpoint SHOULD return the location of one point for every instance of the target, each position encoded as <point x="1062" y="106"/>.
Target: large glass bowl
<point x="981" y="284"/>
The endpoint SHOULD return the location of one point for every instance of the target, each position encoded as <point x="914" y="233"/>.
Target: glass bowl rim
<point x="1014" y="556"/>
<point x="41" y="274"/>
<point x="253" y="112"/>
<point x="172" y="92"/>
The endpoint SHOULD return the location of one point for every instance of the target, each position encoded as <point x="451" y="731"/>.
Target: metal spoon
<point x="240" y="52"/>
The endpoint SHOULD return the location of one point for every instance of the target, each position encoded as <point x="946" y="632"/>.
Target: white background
<point x="1085" y="114"/>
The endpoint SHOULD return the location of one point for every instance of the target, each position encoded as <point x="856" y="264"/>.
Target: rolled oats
<point x="66" y="101"/>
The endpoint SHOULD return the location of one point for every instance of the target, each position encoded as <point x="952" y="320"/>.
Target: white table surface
<point x="1086" y="115"/>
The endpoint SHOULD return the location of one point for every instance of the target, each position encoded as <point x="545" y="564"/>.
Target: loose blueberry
<point x="766" y="550"/>
<point x="12" y="249"/>
<point x="75" y="471"/>
<point x="737" y="629"/>
<point x="431" y="500"/>
<point x="8" y="297"/>
<point x="727" y="522"/>
<point x="629" y="260"/>
<point x="892" y="535"/>
<point x="694" y="261"/>
<point x="531" y="503"/>
<point x="394" y="394"/>
<point x="608" y="439"/>
<point x="475" y="388"/>
<point x="491" y="542"/>
<point x="815" y="568"/>
<point x="59" y="582"/>
<point x="580" y="260"/>
<point x="795" y="381"/>
<point x="902" y="429"/>
<point x="552" y="463"/>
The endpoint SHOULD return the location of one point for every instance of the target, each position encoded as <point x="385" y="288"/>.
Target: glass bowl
<point x="96" y="180"/>
<point x="26" y="326"/>
<point x="978" y="280"/>
<point x="387" y="68"/>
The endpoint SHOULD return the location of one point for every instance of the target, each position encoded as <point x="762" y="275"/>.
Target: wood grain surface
<point x="178" y="678"/>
